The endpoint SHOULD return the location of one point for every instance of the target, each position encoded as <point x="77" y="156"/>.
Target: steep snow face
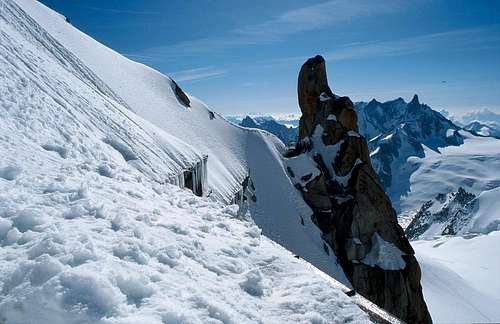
<point x="150" y="95"/>
<point x="90" y="229"/>
<point x="233" y="152"/>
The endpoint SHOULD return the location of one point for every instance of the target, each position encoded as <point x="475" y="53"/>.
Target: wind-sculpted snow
<point x="150" y="95"/>
<point x="90" y="228"/>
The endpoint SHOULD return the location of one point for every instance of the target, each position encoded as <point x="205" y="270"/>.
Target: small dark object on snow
<point x="181" y="96"/>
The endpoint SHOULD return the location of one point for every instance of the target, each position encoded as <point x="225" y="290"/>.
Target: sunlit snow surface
<point x="460" y="274"/>
<point x="474" y="165"/>
<point x="460" y="278"/>
<point x="90" y="230"/>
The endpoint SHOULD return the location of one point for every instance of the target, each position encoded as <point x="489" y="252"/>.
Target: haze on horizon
<point x="242" y="57"/>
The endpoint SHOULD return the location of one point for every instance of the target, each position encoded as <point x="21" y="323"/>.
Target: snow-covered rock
<point x="473" y="166"/>
<point x="398" y="130"/>
<point x="457" y="213"/>
<point x="350" y="206"/>
<point x="484" y="128"/>
<point x="447" y="214"/>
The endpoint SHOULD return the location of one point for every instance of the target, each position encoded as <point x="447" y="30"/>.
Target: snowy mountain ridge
<point x="398" y="130"/>
<point x="491" y="129"/>
<point x="95" y="229"/>
<point x="93" y="225"/>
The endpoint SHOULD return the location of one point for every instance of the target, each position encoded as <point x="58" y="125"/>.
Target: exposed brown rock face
<point x="350" y="206"/>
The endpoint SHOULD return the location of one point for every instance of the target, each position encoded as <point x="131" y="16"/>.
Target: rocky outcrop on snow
<point x="180" y="94"/>
<point x="456" y="213"/>
<point x="332" y="169"/>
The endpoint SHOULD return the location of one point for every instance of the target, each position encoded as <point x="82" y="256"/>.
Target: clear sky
<point x="243" y="56"/>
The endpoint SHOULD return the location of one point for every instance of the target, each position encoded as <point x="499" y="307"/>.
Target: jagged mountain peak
<point x="415" y="100"/>
<point x="249" y="122"/>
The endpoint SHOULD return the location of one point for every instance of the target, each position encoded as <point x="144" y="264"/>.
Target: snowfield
<point x="460" y="278"/>
<point x="233" y="152"/>
<point x="460" y="274"/>
<point x="473" y="166"/>
<point x="91" y="230"/>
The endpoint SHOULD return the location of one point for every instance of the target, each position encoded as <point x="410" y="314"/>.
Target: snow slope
<point x="233" y="152"/>
<point x="460" y="278"/>
<point x="459" y="273"/>
<point x="149" y="94"/>
<point x="90" y="229"/>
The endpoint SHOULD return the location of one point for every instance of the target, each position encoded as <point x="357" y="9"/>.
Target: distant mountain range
<point x="396" y="130"/>
<point x="484" y="128"/>
<point x="281" y="126"/>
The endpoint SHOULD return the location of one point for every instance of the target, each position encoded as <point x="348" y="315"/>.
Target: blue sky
<point x="244" y="56"/>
